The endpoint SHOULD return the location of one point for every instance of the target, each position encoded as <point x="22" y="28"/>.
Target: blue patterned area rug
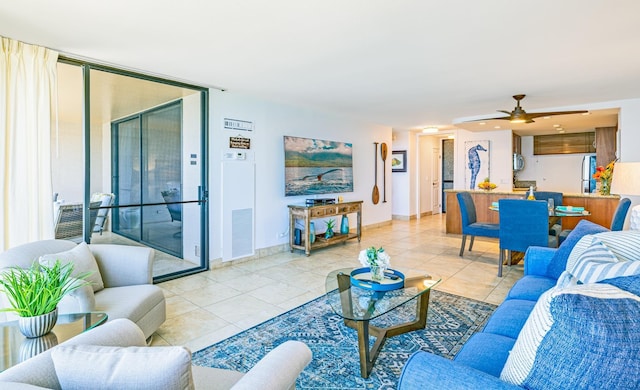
<point x="451" y="321"/>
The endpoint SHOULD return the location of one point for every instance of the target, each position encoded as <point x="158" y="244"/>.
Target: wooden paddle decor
<point x="383" y="153"/>
<point x="375" y="197"/>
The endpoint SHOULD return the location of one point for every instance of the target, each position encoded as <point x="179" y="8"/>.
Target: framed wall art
<point x="315" y="166"/>
<point x="399" y="161"/>
<point x="478" y="155"/>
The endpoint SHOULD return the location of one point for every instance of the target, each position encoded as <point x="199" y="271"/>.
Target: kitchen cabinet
<point x="605" y="145"/>
<point x="564" y="143"/>
<point x="308" y="213"/>
<point x="516" y="143"/>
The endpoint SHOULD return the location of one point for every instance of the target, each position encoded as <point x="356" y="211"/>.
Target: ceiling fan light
<point x="518" y="120"/>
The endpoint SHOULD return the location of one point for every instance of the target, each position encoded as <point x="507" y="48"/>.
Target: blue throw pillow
<point x="594" y="342"/>
<point x="558" y="262"/>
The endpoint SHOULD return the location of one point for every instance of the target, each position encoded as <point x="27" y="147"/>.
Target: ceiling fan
<point x="519" y="115"/>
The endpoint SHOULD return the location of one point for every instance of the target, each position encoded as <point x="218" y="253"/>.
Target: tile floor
<point x="211" y="306"/>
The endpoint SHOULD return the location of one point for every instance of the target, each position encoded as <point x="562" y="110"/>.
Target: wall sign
<point x="239" y="143"/>
<point x="237" y="124"/>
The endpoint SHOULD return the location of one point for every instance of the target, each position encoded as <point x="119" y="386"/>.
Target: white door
<point x="435" y="180"/>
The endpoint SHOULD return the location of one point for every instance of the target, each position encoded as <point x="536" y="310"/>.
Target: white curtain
<point x="28" y="101"/>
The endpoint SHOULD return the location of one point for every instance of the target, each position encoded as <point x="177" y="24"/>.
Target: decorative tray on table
<point x="571" y="210"/>
<point x="361" y="277"/>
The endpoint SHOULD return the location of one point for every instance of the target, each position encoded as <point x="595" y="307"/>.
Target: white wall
<point x="272" y="121"/>
<point x="552" y="172"/>
<point x="402" y="200"/>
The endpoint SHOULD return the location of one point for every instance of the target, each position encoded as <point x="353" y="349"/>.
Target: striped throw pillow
<point x="598" y="263"/>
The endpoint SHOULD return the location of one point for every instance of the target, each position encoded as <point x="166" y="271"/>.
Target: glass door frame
<point x="203" y="193"/>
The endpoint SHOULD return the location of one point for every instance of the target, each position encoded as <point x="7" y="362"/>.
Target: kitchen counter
<point x="601" y="207"/>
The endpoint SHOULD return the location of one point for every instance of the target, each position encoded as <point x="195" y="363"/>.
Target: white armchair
<point x="123" y="281"/>
<point x="68" y="365"/>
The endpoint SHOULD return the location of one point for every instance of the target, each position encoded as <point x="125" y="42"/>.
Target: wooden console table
<point x="307" y="213"/>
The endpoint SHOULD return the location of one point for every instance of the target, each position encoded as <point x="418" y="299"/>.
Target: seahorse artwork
<point x="474" y="164"/>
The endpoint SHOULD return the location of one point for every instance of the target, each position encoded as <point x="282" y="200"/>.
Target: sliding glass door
<point x="147" y="156"/>
<point x="134" y="147"/>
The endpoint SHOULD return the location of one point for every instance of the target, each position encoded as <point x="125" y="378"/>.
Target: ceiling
<point x="406" y="64"/>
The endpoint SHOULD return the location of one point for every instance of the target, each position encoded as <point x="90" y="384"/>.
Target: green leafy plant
<point x="38" y="290"/>
<point x="331" y="223"/>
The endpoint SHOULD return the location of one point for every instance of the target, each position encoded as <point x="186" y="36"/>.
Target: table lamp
<point x="626" y="181"/>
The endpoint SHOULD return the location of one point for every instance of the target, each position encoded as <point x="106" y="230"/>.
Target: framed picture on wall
<point x="478" y="155"/>
<point x="399" y="161"/>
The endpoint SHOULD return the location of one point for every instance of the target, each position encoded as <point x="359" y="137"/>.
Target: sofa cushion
<point x="569" y="335"/>
<point x="509" y="318"/>
<point x="559" y="261"/>
<point x="486" y="352"/>
<point x="80" y="367"/>
<point x="530" y="287"/>
<point x="132" y="302"/>
<point x="83" y="261"/>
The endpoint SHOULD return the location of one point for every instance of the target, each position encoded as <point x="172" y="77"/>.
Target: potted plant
<point x="331" y="223"/>
<point x="34" y="293"/>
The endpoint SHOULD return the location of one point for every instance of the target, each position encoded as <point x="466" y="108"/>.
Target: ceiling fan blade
<point x="506" y="118"/>
<point x="541" y="114"/>
<point x="506" y="112"/>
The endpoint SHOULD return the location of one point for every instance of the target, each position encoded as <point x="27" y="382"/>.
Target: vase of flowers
<point x="604" y="175"/>
<point x="377" y="260"/>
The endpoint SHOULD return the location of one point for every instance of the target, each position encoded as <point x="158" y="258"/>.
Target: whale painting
<point x="314" y="166"/>
<point x="477" y="163"/>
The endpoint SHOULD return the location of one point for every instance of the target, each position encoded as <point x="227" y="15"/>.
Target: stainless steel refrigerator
<point x="588" y="183"/>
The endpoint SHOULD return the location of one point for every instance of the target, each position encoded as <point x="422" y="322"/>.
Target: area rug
<point x="451" y="321"/>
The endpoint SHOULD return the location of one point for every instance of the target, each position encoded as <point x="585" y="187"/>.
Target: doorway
<point x="447" y="169"/>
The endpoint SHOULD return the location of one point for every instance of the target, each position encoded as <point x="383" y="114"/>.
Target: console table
<point x="307" y="213"/>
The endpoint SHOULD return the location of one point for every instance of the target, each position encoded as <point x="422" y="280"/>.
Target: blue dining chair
<point x="470" y="225"/>
<point x="523" y="223"/>
<point x="556" y="229"/>
<point x="617" y="221"/>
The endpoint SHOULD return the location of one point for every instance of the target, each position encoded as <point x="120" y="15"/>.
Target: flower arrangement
<point x="376" y="259"/>
<point x="604" y="176"/>
<point x="486" y="185"/>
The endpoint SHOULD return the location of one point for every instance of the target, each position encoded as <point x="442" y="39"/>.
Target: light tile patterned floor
<point x="211" y="306"/>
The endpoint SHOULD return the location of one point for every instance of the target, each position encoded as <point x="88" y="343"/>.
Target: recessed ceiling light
<point x="556" y="125"/>
<point x="451" y="136"/>
<point x="496" y="127"/>
<point x="561" y="131"/>
<point x="482" y="123"/>
<point x="586" y="113"/>
<point x="546" y="117"/>
<point x="430" y="130"/>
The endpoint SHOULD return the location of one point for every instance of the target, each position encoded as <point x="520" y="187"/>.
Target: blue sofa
<point x="479" y="363"/>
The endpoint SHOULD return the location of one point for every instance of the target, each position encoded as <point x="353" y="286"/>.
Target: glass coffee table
<point x="358" y="306"/>
<point x="17" y="348"/>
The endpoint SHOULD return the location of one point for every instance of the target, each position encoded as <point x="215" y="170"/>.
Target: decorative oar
<point x="375" y="197"/>
<point x="383" y="152"/>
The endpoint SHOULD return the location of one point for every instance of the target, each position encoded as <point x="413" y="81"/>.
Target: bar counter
<point x="601" y="207"/>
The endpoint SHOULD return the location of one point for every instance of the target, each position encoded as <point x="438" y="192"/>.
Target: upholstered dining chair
<point x="557" y="197"/>
<point x="617" y="221"/>
<point x="470" y="225"/>
<point x="523" y="223"/>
